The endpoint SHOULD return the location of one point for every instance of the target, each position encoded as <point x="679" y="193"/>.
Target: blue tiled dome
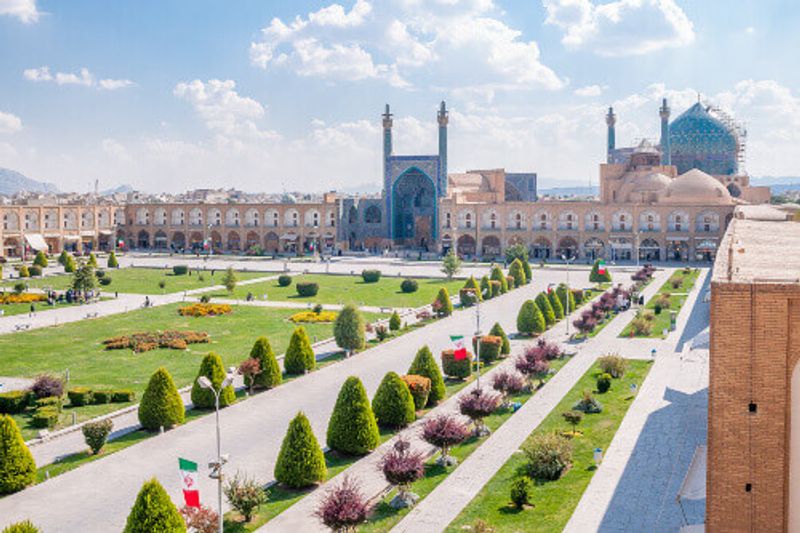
<point x="698" y="140"/>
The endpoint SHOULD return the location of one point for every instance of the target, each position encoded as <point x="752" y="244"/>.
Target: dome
<point x="699" y="140"/>
<point x="648" y="187"/>
<point x="652" y="182"/>
<point x="697" y="187"/>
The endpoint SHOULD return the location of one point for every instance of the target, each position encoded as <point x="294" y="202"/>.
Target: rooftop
<point x="758" y="248"/>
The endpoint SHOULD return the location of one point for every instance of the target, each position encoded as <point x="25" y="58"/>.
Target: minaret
<point x="443" y="119"/>
<point x="387" y="152"/>
<point x="611" y="120"/>
<point x="666" y="157"/>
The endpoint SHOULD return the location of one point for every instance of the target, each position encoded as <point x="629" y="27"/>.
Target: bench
<point x="20" y="327"/>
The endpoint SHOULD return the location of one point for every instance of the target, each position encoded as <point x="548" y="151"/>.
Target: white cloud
<point x="83" y="77"/>
<point x="24" y="10"/>
<point x="343" y="61"/>
<point x="589" y="91"/>
<point x="112" y="85"/>
<point x="335" y="15"/>
<point x="38" y="74"/>
<point x="9" y="123"/>
<point x="621" y="27"/>
<point x="115" y="149"/>
<point x="408" y="50"/>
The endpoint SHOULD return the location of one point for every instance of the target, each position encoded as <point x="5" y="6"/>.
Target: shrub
<point x="154" y="511"/>
<point x="401" y="466"/>
<point x="314" y="317"/>
<point x="468" y="297"/>
<point x="565" y="295"/>
<point x="249" y="369"/>
<point x="62" y="257"/>
<point x="70" y="265"/>
<point x="579" y="297"/>
<point x="394" y="322"/>
<point x="205" y="309"/>
<point x="573" y="418"/>
<point x="613" y="364"/>
<point x="521" y="489"/>
<point x="26" y="526"/>
<point x="348" y="330"/>
<point x="517" y="271"/>
<point x="200" y="519"/>
<point x="586" y="323"/>
<point x="301" y="462"/>
<point x="425" y="365"/>
<point x="543" y="303"/>
<point x="596" y="277"/>
<point x="112" y="260"/>
<point x="490" y="348"/>
<point x="343" y="507"/>
<point x="530" y="320"/>
<point x="92" y="261"/>
<point x="35" y="271"/>
<point x="477" y="405"/>
<point x="497" y="275"/>
<point x="472" y="284"/>
<point x="46" y="385"/>
<point x="211" y="368"/>
<point x="371" y="276"/>
<point x="180" y="270"/>
<point x="299" y="357"/>
<point x="245" y="495"/>
<point x="41" y="259"/>
<point x="420" y="388"/>
<point x="381" y="332"/>
<point x="19" y="288"/>
<point x="284" y="280"/>
<point x="307" y="288"/>
<point x="105" y="280"/>
<point x="409" y="285"/>
<point x="663" y="301"/>
<point x="641" y="327"/>
<point x="123" y="396"/>
<point x="100" y="397"/>
<point x="548" y="456"/>
<point x="24" y="271"/>
<point x="50" y="401"/>
<point x="507" y="382"/>
<point x="495" y="288"/>
<point x="13" y="402"/>
<point x="444" y="431"/>
<point x="45" y="417"/>
<point x="96" y="433"/>
<point x="79" y="396"/>
<point x="229" y="279"/>
<point x="270" y="375"/>
<point x="603" y="383"/>
<point x="676" y="282"/>
<point x="451" y="264"/>
<point x="17" y="467"/>
<point x="161" y="404"/>
<point x="588" y="404"/>
<point x="442" y="305"/>
<point x="497" y="331"/>
<point x="486" y="289"/>
<point x="352" y="428"/>
<point x="533" y="365"/>
<point x="456" y="368"/>
<point x="393" y="404"/>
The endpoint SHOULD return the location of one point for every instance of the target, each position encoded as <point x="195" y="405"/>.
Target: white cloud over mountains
<point x="83" y="78"/>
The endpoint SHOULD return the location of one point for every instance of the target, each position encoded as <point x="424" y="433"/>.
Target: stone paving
<point x="98" y="496"/>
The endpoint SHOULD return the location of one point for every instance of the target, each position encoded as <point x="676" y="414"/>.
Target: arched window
<point x="372" y="215"/>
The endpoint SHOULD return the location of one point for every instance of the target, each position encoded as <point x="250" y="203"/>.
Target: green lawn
<point x="554" y="501"/>
<point x="77" y="346"/>
<point x="141" y="280"/>
<point x="677" y="298"/>
<point x="349" y="289"/>
<point x="24" y="309"/>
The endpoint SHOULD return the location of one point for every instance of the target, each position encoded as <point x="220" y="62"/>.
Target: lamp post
<point x="567" y="257"/>
<point x="216" y="466"/>
<point x="478" y="337"/>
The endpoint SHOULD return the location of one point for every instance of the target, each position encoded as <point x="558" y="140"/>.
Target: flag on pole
<point x="601" y="267"/>
<point x="459" y="349"/>
<point x="191" y="494"/>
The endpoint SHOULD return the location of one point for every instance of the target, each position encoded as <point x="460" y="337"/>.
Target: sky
<point x="273" y="95"/>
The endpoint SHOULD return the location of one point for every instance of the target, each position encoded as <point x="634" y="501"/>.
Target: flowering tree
<point x="402" y="467"/>
<point x="444" y="432"/>
<point x="343" y="507"/>
<point x="477" y="405"/>
<point x="508" y="382"/>
<point x="533" y="365"/>
<point x="249" y="368"/>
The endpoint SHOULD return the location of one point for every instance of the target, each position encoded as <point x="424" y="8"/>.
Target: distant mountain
<point x="121" y="189"/>
<point x="12" y="182"/>
<point x="776" y="180"/>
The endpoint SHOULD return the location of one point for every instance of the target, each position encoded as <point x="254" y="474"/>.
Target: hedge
<point x="409" y="285"/>
<point x="352" y="428"/>
<point x="45" y="417"/>
<point x="213" y="369"/>
<point x="425" y="365"/>
<point x="101" y="396"/>
<point x="180" y="270"/>
<point x="14" y="402"/>
<point x="284" y="280"/>
<point x="307" y="288"/>
<point x="161" y="404"/>
<point x="457" y="369"/>
<point x="123" y="396"/>
<point x="371" y="276"/>
<point x="301" y="462"/>
<point x="35" y="270"/>
<point x="17" y="467"/>
<point x="79" y="396"/>
<point x="393" y="404"/>
<point x="468" y="296"/>
<point x="153" y="510"/>
<point x="490" y="347"/>
<point x="299" y="357"/>
<point x="472" y="284"/>
<point x="495" y="287"/>
<point x="420" y="388"/>
<point x="270" y="375"/>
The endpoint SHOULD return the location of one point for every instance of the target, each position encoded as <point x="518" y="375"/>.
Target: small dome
<point x="652" y="182"/>
<point x="638" y="187"/>
<point x="695" y="186"/>
<point x="646" y="147"/>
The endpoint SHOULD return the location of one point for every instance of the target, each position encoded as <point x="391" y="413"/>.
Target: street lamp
<point x="216" y="466"/>
<point x="567" y="257"/>
<point x="478" y="337"/>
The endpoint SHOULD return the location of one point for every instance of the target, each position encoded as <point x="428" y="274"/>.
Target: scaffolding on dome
<point x="738" y="129"/>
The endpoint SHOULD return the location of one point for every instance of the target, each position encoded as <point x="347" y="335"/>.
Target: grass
<point x="24" y="309"/>
<point x="677" y="298"/>
<point x="554" y="501"/>
<point x="77" y="346"/>
<point x="140" y="280"/>
<point x="348" y="289"/>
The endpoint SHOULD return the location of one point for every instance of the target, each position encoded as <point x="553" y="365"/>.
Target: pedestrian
<point x="33" y="309"/>
<point x="116" y="294"/>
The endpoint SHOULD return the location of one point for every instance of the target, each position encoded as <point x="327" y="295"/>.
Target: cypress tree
<point x="301" y="462"/>
<point x="92" y="262"/>
<point x="212" y="368"/>
<point x="299" y="356"/>
<point x="596" y="277"/>
<point x="17" y="467"/>
<point x="112" y="260"/>
<point x="517" y="272"/>
<point x="393" y="404"/>
<point x="161" y="403"/>
<point x="40" y="259"/>
<point x="555" y="303"/>
<point x="486" y="290"/>
<point x="526" y="267"/>
<point x="26" y="526"/>
<point x="270" y="375"/>
<point x="394" y="322"/>
<point x="472" y="284"/>
<point x="62" y="258"/>
<point x="497" y="331"/>
<point x="445" y="306"/>
<point x="563" y="293"/>
<point x="497" y="275"/>
<point x="352" y="428"/>
<point x="530" y="319"/>
<point x="543" y="302"/>
<point x="348" y="330"/>
<point x="154" y="511"/>
<point x="425" y="365"/>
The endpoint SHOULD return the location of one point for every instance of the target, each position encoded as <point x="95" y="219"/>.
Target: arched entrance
<point x="252" y="240"/>
<point x="490" y="247"/>
<point x="649" y="250"/>
<point x="414" y="209"/>
<point x="216" y="241"/>
<point x="594" y="249"/>
<point x="677" y="251"/>
<point x="541" y="249"/>
<point x="271" y="242"/>
<point x="178" y="241"/>
<point x="143" y="240"/>
<point x="234" y="242"/>
<point x="196" y="241"/>
<point x="567" y="247"/>
<point x="160" y="240"/>
<point x="466" y="246"/>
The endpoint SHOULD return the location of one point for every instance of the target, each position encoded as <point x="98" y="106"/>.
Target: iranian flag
<point x="191" y="494"/>
<point x="601" y="267"/>
<point x="459" y="349"/>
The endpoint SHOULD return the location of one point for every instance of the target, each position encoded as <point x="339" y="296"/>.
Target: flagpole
<point x="478" y="344"/>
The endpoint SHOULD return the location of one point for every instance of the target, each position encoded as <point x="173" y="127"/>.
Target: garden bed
<point x="677" y="298"/>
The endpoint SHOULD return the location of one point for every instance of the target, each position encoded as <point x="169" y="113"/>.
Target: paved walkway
<point x="447" y="500"/>
<point x="98" y="496"/>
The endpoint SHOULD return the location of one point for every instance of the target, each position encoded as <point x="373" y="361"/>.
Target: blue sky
<point x="266" y="95"/>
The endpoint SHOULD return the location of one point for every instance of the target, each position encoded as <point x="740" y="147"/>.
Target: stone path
<point x="447" y="500"/>
<point x="98" y="496"/>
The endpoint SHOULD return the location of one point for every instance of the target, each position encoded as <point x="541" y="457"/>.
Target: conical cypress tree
<point x="526" y="267"/>
<point x="154" y="511"/>
<point x="17" y="467"/>
<point x="563" y="293"/>
<point x="161" y="403"/>
<point x="425" y="365"/>
<point x="299" y="356"/>
<point x="445" y="306"/>
<point x="112" y="260"/>
<point x="395" y="323"/>
<point x="92" y="262"/>
<point x="393" y="404"/>
<point x="543" y="302"/>
<point x="472" y="284"/>
<point x="497" y="275"/>
<point x="301" y="462"/>
<point x="530" y="319"/>
<point x="486" y="290"/>
<point x="40" y="259"/>
<point x="348" y="330"/>
<point x="596" y="277"/>
<point x="555" y="303"/>
<point x="62" y="258"/>
<point x="352" y="428"/>
<point x="26" y="526"/>
<point x="497" y="331"/>
<point x="270" y="375"/>
<point x="517" y="272"/>
<point x="212" y="368"/>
